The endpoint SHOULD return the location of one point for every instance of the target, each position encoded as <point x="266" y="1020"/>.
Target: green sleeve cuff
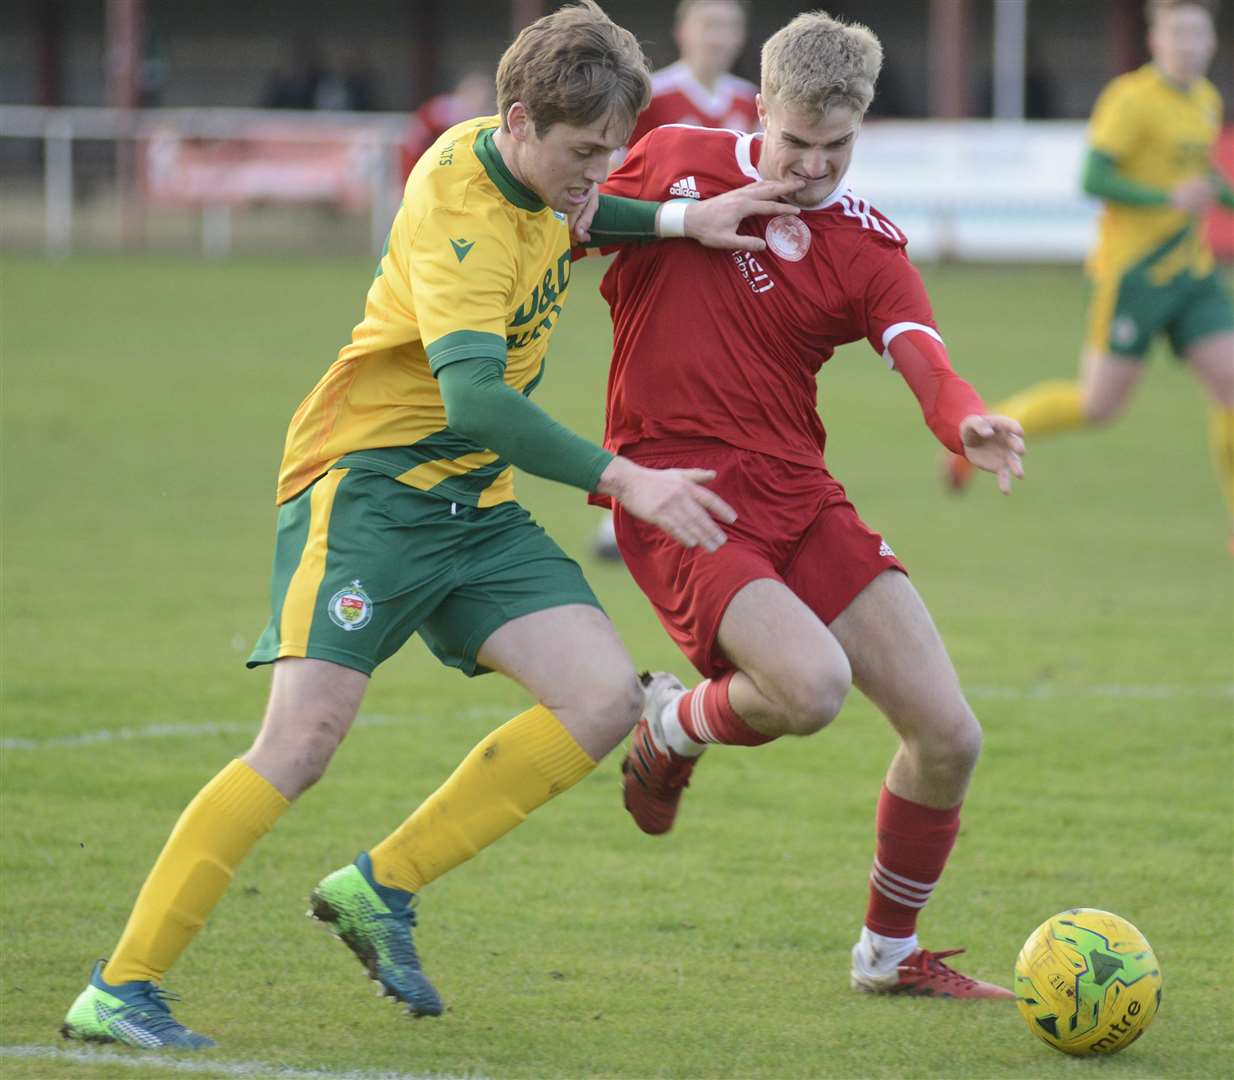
<point x="465" y="345"/>
<point x="1225" y="193"/>
<point x="1103" y="180"/>
<point x="620" y="220"/>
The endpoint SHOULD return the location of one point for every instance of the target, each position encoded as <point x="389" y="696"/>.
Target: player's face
<point x="564" y="163"/>
<point x="1182" y="41"/>
<point x="802" y="145"/>
<point x="711" y="36"/>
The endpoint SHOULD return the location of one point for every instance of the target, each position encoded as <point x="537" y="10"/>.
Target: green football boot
<point x="132" y="1013"/>
<point x="374" y="922"/>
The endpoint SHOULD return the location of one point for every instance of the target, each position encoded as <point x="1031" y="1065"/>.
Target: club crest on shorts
<point x="1123" y="330"/>
<point x="788" y="237"/>
<point x="351" y="607"/>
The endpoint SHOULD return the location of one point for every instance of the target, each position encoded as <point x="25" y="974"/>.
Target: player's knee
<point x="295" y="757"/>
<point x="617" y="704"/>
<point x="954" y="750"/>
<point x="320" y="742"/>
<point x="816" y="700"/>
<point x="1100" y="413"/>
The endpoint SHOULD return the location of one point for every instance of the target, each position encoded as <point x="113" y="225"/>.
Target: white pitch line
<point x="1042" y="692"/>
<point x="197" y="731"/>
<point x="1116" y="692"/>
<point x="249" y="1070"/>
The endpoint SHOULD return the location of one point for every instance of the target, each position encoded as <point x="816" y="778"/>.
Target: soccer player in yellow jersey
<point x="1151" y="140"/>
<point x="397" y="515"/>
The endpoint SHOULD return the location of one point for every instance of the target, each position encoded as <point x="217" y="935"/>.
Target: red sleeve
<point x="920" y="356"/>
<point x="627" y="179"/>
<point x="893" y="294"/>
<point x="899" y="324"/>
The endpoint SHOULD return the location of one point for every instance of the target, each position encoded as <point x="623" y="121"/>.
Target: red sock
<point x="913" y="844"/>
<point x="707" y="717"/>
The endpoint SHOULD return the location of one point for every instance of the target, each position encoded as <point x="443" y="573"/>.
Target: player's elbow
<point x="462" y="415"/>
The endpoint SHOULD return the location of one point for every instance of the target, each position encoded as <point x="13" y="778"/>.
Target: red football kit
<point x="715" y="356"/>
<point x="677" y="97"/>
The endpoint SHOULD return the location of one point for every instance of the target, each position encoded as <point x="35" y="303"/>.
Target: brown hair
<point x="817" y="62"/>
<point x="574" y="67"/>
<point x="1153" y="8"/>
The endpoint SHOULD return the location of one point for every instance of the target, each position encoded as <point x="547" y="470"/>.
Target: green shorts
<point x="362" y="562"/>
<point x="1130" y="310"/>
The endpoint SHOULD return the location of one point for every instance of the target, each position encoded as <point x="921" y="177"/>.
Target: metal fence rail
<point x="215" y="177"/>
<point x="369" y="142"/>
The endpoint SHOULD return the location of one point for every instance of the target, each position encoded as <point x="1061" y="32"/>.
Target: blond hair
<point x="817" y="62"/>
<point x="574" y="67"/>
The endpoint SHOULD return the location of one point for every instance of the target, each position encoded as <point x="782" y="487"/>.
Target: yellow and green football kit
<point x="396" y="496"/>
<point x="475" y="266"/>
<point x="1152" y="269"/>
<point x="397" y="514"/>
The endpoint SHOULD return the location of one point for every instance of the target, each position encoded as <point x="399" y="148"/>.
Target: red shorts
<point x="794" y="524"/>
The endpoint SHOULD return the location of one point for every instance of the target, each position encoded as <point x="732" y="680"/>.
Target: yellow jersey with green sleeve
<point x="1157" y="133"/>
<point x="475" y="266"/>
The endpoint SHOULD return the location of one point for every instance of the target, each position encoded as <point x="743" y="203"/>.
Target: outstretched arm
<point x="482" y="407"/>
<point x="712" y="222"/>
<point x="953" y="410"/>
<point x="1104" y="180"/>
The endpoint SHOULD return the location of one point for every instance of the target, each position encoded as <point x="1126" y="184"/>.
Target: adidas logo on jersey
<point x="685" y="188"/>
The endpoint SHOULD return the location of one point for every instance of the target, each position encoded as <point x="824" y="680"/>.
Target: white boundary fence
<point x="213" y="160"/>
<point x="980" y="190"/>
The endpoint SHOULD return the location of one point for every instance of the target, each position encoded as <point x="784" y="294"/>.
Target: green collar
<point x="514" y="191"/>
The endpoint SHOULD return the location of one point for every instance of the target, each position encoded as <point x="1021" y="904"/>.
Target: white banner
<point x="983" y="190"/>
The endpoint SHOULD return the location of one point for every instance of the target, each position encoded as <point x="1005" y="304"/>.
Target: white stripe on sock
<point x="900" y="879"/>
<point x="705" y="734"/>
<point x="903" y="899"/>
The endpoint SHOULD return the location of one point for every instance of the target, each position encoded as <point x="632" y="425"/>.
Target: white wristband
<point x="672" y="220"/>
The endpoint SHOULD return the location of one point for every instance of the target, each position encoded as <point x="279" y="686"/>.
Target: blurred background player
<point x="715" y="361"/>
<point x="471" y="96"/>
<point x="698" y="89"/>
<point x="1151" y="141"/>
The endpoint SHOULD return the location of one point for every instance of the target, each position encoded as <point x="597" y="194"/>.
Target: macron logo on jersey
<point x="462" y="246"/>
<point x="685" y="188"/>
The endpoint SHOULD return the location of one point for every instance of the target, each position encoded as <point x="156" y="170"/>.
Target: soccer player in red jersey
<point x="715" y="358"/>
<point x="700" y="88"/>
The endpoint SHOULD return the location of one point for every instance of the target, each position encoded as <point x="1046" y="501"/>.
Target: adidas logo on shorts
<point x="685" y="188"/>
<point x="884" y="549"/>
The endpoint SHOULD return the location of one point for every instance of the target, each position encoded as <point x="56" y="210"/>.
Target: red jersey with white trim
<point x="677" y="97"/>
<point x="726" y="344"/>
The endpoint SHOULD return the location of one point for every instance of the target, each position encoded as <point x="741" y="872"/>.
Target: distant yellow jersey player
<point x="1151" y="142"/>
<point x="1148" y="136"/>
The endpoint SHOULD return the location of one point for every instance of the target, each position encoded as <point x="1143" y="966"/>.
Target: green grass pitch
<point x="145" y="402"/>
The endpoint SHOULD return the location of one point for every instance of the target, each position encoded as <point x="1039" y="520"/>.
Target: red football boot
<point x="924" y="974"/>
<point x="957" y="472"/>
<point x="653" y="776"/>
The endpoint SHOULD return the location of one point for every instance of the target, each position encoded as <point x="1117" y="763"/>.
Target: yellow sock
<point x="214" y="834"/>
<point x="520" y="766"/>
<point x="1221" y="439"/>
<point x="1046" y="407"/>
